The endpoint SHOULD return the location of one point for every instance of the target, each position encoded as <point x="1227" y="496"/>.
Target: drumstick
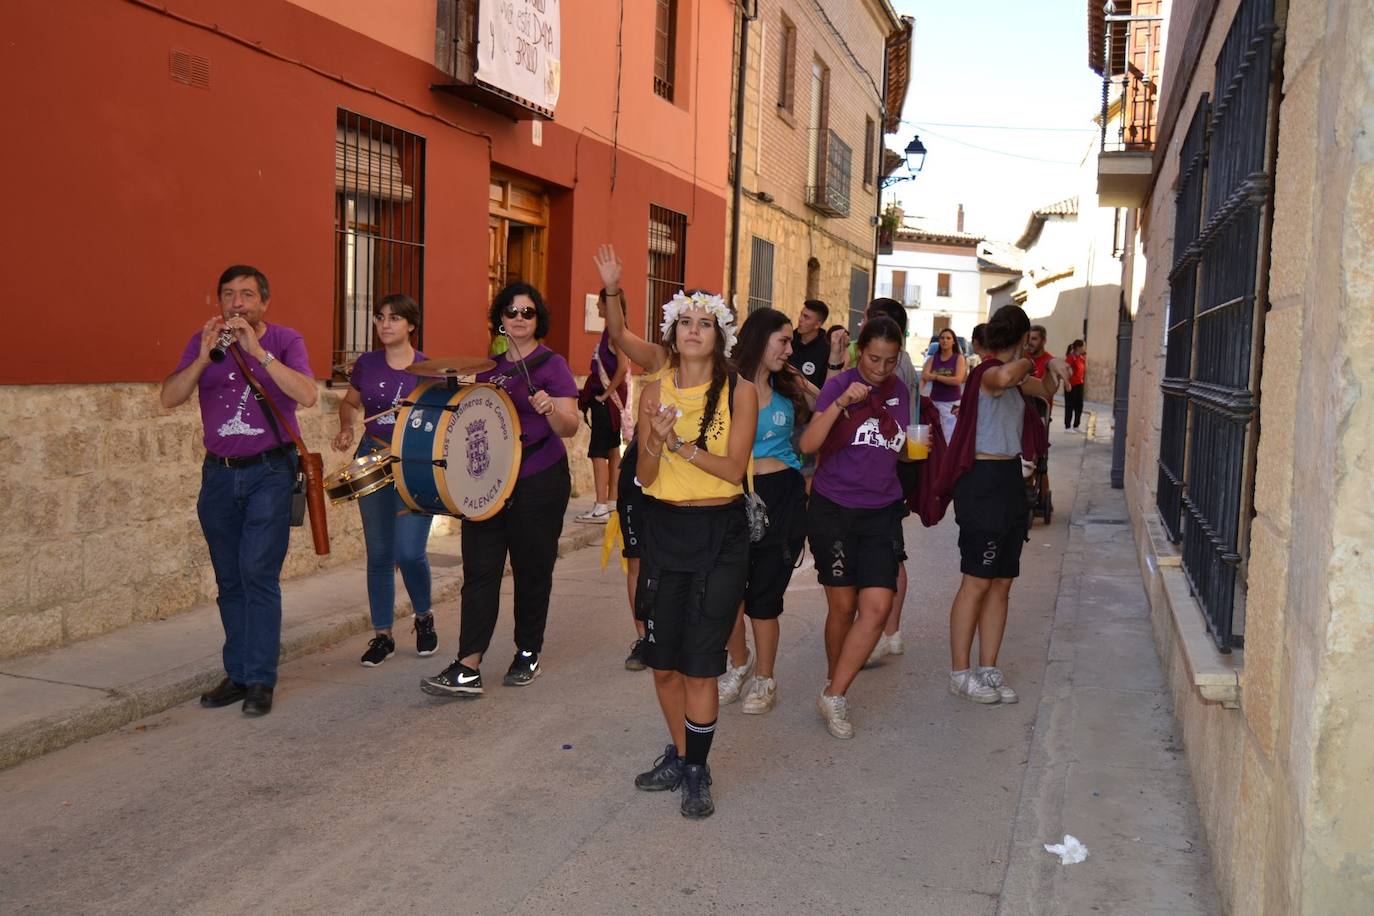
<point x="392" y="409"/>
<point x="520" y="361"/>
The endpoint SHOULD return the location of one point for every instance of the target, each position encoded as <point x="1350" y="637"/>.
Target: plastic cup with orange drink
<point x="918" y="441"/>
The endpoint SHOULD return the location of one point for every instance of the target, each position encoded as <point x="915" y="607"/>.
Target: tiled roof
<point x="1068" y="207"/>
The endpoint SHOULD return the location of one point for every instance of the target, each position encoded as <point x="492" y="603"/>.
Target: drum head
<point x="481" y="450"/>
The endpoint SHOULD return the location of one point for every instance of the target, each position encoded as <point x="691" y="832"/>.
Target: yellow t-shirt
<point x="680" y="480"/>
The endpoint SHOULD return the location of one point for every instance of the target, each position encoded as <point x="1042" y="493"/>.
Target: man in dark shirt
<point x="810" y="349"/>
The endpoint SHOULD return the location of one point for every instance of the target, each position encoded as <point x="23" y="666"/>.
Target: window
<point x="1216" y="322"/>
<point x="869" y="140"/>
<point x="787" y="68"/>
<point x="858" y="298"/>
<point x="667" y="263"/>
<point x="828" y="157"/>
<point x="379" y="227"/>
<point x="942" y="285"/>
<point x="665" y="40"/>
<point x="898" y="291"/>
<point x="760" y="275"/>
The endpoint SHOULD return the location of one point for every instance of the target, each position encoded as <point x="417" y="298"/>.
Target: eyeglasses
<point x="526" y="313"/>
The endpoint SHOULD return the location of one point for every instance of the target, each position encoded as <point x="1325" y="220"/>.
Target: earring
<point x="502" y="332"/>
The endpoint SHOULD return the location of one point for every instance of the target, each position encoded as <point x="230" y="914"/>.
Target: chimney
<point x="959" y="223"/>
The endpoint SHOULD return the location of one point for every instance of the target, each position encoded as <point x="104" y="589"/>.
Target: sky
<point x="1018" y="69"/>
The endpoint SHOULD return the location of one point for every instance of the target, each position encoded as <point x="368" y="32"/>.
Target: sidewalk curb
<point x="131" y="702"/>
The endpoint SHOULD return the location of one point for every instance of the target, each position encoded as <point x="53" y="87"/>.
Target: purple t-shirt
<point x="862" y="474"/>
<point x="551" y="376"/>
<point x="381" y="387"/>
<point x="609" y="362"/>
<point x="235" y="424"/>
<point x="939" y="391"/>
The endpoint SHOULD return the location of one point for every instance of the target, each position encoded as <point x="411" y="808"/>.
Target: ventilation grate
<point x="189" y="68"/>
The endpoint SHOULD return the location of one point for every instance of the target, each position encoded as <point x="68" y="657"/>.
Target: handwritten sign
<point x="518" y="49"/>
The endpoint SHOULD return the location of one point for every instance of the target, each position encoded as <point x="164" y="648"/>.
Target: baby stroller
<point x="1039" y="499"/>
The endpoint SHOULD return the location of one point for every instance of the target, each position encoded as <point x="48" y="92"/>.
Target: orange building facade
<point x="323" y="142"/>
<point x="307" y="138"/>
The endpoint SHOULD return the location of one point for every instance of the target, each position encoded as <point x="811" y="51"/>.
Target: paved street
<point x="359" y="793"/>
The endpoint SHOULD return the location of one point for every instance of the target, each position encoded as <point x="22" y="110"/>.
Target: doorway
<point x="518" y="223"/>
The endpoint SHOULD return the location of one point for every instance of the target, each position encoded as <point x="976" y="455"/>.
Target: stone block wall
<point x="1282" y="781"/>
<point x="100" y="487"/>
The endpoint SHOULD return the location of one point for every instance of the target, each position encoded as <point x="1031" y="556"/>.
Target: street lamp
<point x="915" y="153"/>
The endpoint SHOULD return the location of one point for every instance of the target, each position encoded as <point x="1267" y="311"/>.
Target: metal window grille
<point x="869" y="140"/>
<point x="379" y="227"/>
<point x="858" y="298"/>
<point x="667" y="263"/>
<point x="1227" y="323"/>
<point x="760" y="274"/>
<point x="665" y="35"/>
<point x="830" y="194"/>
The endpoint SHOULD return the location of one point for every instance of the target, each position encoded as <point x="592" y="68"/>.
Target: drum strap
<point x="534" y="362"/>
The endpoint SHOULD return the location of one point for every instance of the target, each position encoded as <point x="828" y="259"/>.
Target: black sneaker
<point x="523" y="669"/>
<point x="666" y="774"/>
<point x="379" y="650"/>
<point x="635" y="660"/>
<point x="426" y="640"/>
<point x="457" y="680"/>
<point x="696" y="791"/>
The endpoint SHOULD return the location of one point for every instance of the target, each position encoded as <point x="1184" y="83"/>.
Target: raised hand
<point x="609" y="267"/>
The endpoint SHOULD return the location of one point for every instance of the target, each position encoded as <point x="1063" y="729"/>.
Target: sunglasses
<point x="526" y="313"/>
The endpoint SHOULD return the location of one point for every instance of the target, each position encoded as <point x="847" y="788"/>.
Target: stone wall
<point x="100" y="483"/>
<point x="1282" y="780"/>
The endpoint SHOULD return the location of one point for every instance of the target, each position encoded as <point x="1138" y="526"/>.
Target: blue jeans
<point x="246" y="516"/>
<point x="394" y="536"/>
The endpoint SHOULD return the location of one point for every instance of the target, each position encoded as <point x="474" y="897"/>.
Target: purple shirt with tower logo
<point x="381" y="388"/>
<point x="863" y="473"/>
<point x="551" y="376"/>
<point x="235" y="425"/>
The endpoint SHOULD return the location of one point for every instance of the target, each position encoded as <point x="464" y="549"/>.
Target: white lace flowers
<point x="714" y="305"/>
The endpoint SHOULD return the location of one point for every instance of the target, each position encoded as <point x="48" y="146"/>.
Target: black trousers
<point x="1073" y="407"/>
<point x="527" y="530"/>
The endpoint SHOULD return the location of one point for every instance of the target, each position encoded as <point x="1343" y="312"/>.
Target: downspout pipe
<point x="737" y="192"/>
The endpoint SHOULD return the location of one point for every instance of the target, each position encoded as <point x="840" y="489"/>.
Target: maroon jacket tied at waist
<point x="950" y="461"/>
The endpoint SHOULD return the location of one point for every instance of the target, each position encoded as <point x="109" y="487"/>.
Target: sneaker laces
<point x="423" y="624"/>
<point x="839" y="706"/>
<point x="379" y="641"/>
<point x="992" y="677"/>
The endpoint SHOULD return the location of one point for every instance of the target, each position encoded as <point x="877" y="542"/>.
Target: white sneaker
<point x="968" y="683"/>
<point x="761" y="696"/>
<point x="597" y="515"/>
<point x="895" y="646"/>
<point x="994" y="679"/>
<point x="879" y="650"/>
<point x="729" y="684"/>
<point x="835" y="712"/>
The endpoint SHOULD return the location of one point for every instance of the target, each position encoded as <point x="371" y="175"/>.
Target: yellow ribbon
<point x="613" y="541"/>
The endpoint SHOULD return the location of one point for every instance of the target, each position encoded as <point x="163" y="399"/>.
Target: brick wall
<point x="849" y="40"/>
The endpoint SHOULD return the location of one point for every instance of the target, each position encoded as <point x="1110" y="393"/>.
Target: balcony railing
<point x="906" y="294"/>
<point x="1130" y="78"/>
<point x="830" y="195"/>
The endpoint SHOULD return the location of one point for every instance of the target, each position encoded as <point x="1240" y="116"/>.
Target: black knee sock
<point x="698" y="742"/>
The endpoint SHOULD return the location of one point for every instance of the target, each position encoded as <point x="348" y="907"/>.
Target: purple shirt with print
<point x="863" y="473"/>
<point x="381" y="388"/>
<point x="235" y="425"/>
<point x="552" y="376"/>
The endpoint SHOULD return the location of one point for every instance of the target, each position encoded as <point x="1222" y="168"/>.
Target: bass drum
<point x="457" y="450"/>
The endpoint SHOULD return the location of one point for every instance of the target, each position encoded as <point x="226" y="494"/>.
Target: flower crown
<point x="715" y="305"/>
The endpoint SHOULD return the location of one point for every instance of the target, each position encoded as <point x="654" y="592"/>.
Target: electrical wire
<point x="1025" y="127"/>
<point x="997" y="152"/>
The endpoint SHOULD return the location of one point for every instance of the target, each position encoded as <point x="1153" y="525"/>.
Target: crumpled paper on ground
<point x="1070" y="852"/>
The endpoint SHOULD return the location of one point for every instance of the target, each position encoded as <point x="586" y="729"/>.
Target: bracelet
<point x="267" y="358"/>
<point x="652" y="452"/>
<point x="696" y="450"/>
<point x="676" y="444"/>
<point x="835" y="365"/>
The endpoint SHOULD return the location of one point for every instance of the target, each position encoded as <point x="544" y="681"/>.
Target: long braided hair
<point x="720" y="372"/>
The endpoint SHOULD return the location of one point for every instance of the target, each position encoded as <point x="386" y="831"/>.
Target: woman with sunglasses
<point x="394" y="537"/>
<point x="528" y="528"/>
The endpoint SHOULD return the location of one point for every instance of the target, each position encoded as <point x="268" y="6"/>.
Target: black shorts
<point x="603" y="438"/>
<point x="855" y="548"/>
<point x="629" y="503"/>
<point x="696" y="562"/>
<point x="990" y="507"/>
<point x="773" y="558"/>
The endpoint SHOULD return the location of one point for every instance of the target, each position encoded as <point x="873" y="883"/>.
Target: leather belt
<point x="248" y="460"/>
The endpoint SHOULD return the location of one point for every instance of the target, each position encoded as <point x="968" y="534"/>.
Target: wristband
<point x="836" y="365"/>
<point x="676" y="444"/>
<point x="267" y="358"/>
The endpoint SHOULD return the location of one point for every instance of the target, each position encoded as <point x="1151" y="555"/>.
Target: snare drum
<point x="457" y="450"/>
<point x="361" y="476"/>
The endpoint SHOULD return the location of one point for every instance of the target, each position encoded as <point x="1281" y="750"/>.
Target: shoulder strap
<point x="273" y="413"/>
